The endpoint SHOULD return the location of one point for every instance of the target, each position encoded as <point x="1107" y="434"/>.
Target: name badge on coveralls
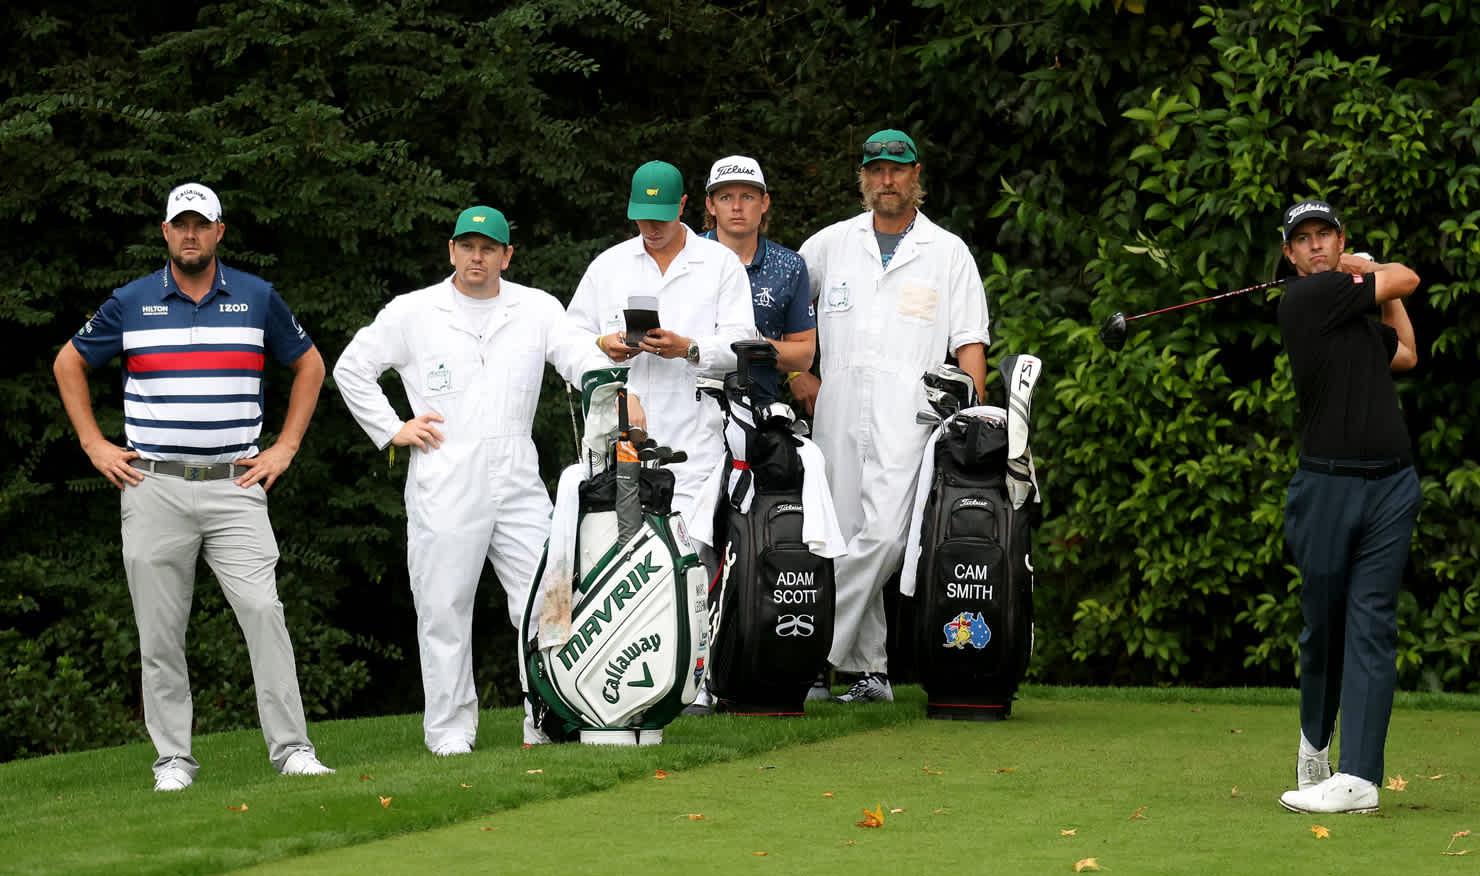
<point x="838" y="297"/>
<point x="439" y="379"/>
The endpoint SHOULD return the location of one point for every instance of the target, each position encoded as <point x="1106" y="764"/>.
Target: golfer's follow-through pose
<point x="471" y="353"/>
<point x="895" y="294"/>
<point x="194" y="338"/>
<point x="1351" y="506"/>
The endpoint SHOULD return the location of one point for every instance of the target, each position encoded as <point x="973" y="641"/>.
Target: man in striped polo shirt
<point x="194" y="338"/>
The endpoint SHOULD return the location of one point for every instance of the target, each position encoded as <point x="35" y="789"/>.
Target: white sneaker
<point x="303" y="763"/>
<point x="534" y="735"/>
<point x="452" y="749"/>
<point x="869" y="688"/>
<point x="819" y="689"/>
<point x="1342" y="792"/>
<point x="1312" y="766"/>
<point x="172" y="778"/>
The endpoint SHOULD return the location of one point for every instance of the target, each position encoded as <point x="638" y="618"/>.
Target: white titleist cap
<point x="193" y="197"/>
<point x="735" y="169"/>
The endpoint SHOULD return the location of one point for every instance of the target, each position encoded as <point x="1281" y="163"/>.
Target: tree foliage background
<point x="1098" y="155"/>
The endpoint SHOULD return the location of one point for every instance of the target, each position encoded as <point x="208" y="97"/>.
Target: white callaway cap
<point x="192" y="197"/>
<point x="735" y="169"/>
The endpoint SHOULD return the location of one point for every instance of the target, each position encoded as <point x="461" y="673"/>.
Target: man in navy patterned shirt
<point x="194" y="338"/>
<point x="736" y="205"/>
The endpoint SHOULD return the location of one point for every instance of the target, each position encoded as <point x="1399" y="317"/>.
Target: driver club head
<point x="1112" y="333"/>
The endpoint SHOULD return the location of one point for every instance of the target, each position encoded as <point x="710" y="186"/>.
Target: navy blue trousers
<point x="1350" y="537"/>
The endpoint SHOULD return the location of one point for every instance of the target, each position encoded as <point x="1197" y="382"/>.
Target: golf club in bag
<point x="771" y="605"/>
<point x="967" y="564"/>
<point x="615" y="632"/>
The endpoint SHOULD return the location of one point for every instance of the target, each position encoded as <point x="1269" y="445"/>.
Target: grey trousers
<point x="169" y="522"/>
<point x="1350" y="537"/>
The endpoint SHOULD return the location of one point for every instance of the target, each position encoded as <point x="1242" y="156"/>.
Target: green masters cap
<point x="657" y="190"/>
<point x="485" y="221"/>
<point x="890" y="145"/>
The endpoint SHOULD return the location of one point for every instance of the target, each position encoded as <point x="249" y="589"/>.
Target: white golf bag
<point x="967" y="563"/>
<point x="615" y="632"/>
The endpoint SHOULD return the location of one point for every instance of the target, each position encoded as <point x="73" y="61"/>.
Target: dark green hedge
<point x="1098" y="156"/>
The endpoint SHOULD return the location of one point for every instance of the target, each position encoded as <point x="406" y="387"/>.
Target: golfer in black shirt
<point x="1351" y="507"/>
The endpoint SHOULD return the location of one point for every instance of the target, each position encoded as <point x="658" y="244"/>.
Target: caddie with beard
<point x="896" y="294"/>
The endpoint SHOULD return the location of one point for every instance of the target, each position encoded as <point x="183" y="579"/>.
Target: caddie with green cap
<point x="482" y="220"/>
<point x="890" y="145"/>
<point x="657" y="193"/>
<point x="896" y="294"/>
<point x="702" y="298"/>
<point x="471" y="353"/>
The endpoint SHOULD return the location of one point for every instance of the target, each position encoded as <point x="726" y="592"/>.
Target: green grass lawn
<point x="1143" y="781"/>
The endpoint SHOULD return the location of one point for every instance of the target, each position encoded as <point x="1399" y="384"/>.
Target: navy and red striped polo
<point x="192" y="373"/>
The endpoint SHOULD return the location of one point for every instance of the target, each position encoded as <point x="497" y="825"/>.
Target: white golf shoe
<point x="1342" y="792"/>
<point x="303" y="763"/>
<point x="819" y="689"/>
<point x="172" y="778"/>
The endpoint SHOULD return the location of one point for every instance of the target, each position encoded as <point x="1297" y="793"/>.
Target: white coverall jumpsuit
<point x="879" y="330"/>
<point x="479" y="495"/>
<point x="704" y="295"/>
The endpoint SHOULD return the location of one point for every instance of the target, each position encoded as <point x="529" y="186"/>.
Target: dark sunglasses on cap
<point x="875" y="148"/>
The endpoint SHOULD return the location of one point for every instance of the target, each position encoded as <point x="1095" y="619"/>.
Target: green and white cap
<point x="485" y="221"/>
<point x="657" y="192"/>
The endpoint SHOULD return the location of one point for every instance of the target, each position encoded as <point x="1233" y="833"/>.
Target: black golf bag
<point x="967" y="563"/>
<point x="771" y="606"/>
<point x="615" y="631"/>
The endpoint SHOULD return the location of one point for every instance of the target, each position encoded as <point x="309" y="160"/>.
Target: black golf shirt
<point x="1340" y="357"/>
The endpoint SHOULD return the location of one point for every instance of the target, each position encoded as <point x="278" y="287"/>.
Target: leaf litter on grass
<point x="1450" y="849"/>
<point x="958" y="788"/>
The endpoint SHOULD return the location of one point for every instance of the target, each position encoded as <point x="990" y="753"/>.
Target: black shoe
<point x="871" y="687"/>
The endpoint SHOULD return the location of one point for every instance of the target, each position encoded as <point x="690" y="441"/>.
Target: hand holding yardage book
<point x="642" y="316"/>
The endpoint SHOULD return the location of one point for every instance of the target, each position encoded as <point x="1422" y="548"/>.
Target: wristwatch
<point x="693" y="354"/>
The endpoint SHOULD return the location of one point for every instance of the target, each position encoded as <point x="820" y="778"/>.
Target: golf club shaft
<point x="1256" y="288"/>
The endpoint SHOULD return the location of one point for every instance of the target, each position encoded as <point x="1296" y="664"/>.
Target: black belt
<point x="1373" y="470"/>
<point x="190" y="472"/>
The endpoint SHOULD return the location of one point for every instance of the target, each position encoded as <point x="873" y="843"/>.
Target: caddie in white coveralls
<point x="703" y="306"/>
<point x="895" y="293"/>
<point x="471" y="352"/>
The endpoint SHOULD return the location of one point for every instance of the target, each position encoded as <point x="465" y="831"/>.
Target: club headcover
<point x="1019" y="376"/>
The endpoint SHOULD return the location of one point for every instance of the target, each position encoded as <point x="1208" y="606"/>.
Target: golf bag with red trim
<point x="771" y="606"/>
<point x="967" y="563"/>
